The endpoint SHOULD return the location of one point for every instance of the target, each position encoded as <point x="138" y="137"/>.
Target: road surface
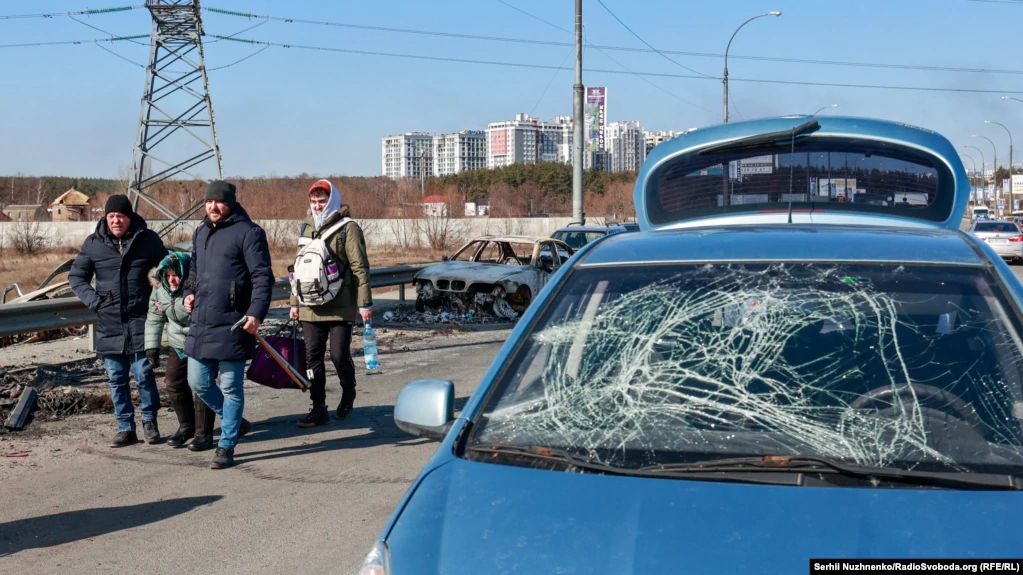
<point x="305" y="501"/>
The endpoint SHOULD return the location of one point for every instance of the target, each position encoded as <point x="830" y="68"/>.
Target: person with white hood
<point x="333" y="320"/>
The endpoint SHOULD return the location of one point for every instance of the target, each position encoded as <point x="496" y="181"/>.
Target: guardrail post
<point x="401" y="293"/>
<point x="92" y="337"/>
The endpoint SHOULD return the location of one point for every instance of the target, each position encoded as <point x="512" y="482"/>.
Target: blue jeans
<point x="228" y="400"/>
<point x="120" y="391"/>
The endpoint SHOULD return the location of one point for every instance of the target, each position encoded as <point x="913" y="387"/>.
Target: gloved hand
<point x="153" y="355"/>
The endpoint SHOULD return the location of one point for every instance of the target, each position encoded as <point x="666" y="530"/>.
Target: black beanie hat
<point x="119" y="204"/>
<point x="221" y="191"/>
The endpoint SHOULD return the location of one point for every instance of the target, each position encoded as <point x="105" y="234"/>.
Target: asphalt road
<point x="304" y="501"/>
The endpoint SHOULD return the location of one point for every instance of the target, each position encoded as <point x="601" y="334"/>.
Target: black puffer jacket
<point x="232" y="279"/>
<point x="121" y="296"/>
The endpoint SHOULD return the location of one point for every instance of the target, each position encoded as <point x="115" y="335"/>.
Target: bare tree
<point x="26" y="238"/>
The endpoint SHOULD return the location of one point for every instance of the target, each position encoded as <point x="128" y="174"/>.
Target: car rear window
<point x="997" y="227"/>
<point x="576" y="240"/>
<point x="831" y="174"/>
<point x="887" y="365"/>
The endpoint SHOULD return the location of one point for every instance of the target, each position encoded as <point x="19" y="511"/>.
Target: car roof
<point x="922" y="140"/>
<point x="582" y="229"/>
<point x="795" y="243"/>
<point x="514" y="239"/>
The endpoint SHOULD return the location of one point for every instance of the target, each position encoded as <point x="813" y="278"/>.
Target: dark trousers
<point x="340" y="335"/>
<point x="191" y="411"/>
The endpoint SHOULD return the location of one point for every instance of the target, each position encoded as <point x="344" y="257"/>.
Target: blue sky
<point x="73" y="109"/>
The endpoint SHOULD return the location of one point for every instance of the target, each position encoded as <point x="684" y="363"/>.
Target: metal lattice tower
<point x="176" y="109"/>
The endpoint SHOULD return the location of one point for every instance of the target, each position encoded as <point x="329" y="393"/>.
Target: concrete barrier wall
<point x="392" y="233"/>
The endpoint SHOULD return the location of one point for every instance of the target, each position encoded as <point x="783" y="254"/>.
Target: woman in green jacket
<point x="166" y="308"/>
<point x="333" y="320"/>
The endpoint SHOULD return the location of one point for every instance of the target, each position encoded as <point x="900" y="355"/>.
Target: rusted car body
<point x="499" y="274"/>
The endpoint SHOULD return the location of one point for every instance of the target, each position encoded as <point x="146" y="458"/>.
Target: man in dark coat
<point x="119" y="254"/>
<point x="232" y="280"/>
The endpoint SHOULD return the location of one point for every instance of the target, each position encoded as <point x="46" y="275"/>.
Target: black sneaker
<point x="344" y="409"/>
<point x="124" y="439"/>
<point x="180" y="436"/>
<point x="317" y="416"/>
<point x="201" y="443"/>
<point x="245" y="428"/>
<point x="222" y="459"/>
<point x="150" y="431"/>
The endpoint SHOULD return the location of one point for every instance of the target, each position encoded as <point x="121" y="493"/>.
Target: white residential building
<point x="408" y="155"/>
<point x="652" y="139"/>
<point x="626" y="144"/>
<point x="459" y="152"/>
<point x="526" y="140"/>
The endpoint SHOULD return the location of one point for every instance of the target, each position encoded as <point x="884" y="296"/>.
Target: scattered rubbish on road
<point x="19" y="416"/>
<point x="477" y="316"/>
<point x="17" y="454"/>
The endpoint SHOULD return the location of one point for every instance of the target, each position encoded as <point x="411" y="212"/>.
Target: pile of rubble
<point x="403" y="315"/>
<point x="51" y="392"/>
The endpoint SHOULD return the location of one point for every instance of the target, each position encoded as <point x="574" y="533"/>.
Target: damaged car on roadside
<point x="778" y="366"/>
<point x="495" y="274"/>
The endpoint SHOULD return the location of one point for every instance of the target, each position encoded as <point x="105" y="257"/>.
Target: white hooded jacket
<point x="333" y="203"/>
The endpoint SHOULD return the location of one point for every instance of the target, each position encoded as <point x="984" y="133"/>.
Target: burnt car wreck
<point x="493" y="274"/>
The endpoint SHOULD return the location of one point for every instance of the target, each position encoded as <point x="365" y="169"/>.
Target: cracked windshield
<point x="880" y="365"/>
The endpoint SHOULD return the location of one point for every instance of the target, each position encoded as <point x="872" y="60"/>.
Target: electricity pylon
<point x="176" y="134"/>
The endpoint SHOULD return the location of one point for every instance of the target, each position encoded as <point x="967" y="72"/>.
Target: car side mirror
<point x="426" y="408"/>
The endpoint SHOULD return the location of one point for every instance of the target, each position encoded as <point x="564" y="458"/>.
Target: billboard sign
<point x="1017" y="183"/>
<point x="595" y="114"/>
<point x="837" y="187"/>
<point x="758" y="165"/>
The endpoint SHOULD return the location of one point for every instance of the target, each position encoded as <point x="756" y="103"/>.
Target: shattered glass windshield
<point x="914" y="367"/>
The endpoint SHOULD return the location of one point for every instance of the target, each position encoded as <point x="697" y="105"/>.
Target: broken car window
<point x="466" y="253"/>
<point x="891" y="366"/>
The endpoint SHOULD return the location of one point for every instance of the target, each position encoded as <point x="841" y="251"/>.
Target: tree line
<point x="518" y="190"/>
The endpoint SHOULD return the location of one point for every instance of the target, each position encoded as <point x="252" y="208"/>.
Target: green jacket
<point x="355" y="291"/>
<point x="174" y="316"/>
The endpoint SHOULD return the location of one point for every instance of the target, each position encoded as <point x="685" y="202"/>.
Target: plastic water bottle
<point x="369" y="347"/>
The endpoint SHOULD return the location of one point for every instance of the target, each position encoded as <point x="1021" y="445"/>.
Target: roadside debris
<point x="473" y="316"/>
<point x="19" y="416"/>
<point x="17" y="454"/>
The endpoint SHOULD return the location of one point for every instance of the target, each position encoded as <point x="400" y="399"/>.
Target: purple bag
<point x="264" y="370"/>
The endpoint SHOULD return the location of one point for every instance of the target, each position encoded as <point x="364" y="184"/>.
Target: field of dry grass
<point x="29" y="271"/>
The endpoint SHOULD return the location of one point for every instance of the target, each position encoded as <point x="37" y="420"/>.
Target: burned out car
<point x="776" y="367"/>
<point x="498" y="274"/>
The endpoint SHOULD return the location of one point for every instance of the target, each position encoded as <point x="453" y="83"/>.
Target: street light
<point x="983" y="165"/>
<point x="974" y="162"/>
<point x="726" y="54"/>
<point x="825" y="107"/>
<point x="994" y="163"/>
<point x="1010" y="152"/>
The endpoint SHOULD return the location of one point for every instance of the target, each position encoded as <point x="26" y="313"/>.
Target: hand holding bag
<point x="264" y="370"/>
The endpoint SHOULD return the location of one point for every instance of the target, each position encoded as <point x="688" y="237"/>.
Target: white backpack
<point x="316" y="277"/>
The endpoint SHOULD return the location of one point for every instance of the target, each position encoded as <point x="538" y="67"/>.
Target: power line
<point x="112" y="35"/>
<point x="883" y="65"/>
<point x="608" y="56"/>
<point x="128" y="60"/>
<point x="65" y="42"/>
<point x="647" y="44"/>
<point x="238" y="61"/>
<point x="77" y="13"/>
<point x="599" y="71"/>
<point x="553" y="76"/>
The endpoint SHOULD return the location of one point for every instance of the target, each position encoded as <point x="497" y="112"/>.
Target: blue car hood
<point x="471" y="517"/>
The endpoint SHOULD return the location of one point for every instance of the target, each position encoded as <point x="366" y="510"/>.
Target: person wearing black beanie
<point x="233" y="283"/>
<point x="119" y="255"/>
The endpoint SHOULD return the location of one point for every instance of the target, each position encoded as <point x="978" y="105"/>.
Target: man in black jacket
<point x="119" y="254"/>
<point x="233" y="280"/>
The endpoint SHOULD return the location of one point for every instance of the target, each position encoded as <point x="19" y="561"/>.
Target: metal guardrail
<point x="69" y="311"/>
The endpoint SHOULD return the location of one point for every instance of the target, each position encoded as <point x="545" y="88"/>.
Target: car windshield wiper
<point x="798" y="464"/>
<point x="578" y="461"/>
<point x="551" y="454"/>
<point x="761" y="140"/>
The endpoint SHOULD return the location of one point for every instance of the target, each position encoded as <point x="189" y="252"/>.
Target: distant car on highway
<point x="577" y="236"/>
<point x="502" y="274"/>
<point x="1003" y="236"/>
<point x="766" y="373"/>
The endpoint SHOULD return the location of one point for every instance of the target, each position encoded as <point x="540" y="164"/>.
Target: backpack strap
<point x="333" y="229"/>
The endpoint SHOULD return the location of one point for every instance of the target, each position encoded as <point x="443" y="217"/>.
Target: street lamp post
<point x="983" y="166"/>
<point x="1010" y="153"/>
<point x="725" y="81"/>
<point x="824" y="108"/>
<point x="994" y="163"/>
<point x="972" y="161"/>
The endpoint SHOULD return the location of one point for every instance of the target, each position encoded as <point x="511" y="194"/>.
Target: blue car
<point x="781" y="365"/>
